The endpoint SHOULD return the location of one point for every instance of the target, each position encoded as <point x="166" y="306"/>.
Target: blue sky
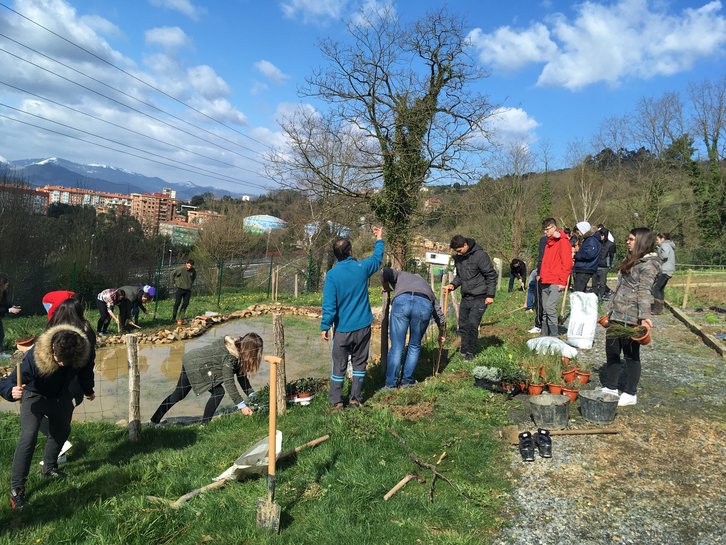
<point x="557" y="71"/>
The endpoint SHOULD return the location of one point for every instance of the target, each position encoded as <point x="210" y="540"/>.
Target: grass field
<point x="330" y="494"/>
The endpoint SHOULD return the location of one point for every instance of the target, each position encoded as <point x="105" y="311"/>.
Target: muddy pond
<point x="306" y="355"/>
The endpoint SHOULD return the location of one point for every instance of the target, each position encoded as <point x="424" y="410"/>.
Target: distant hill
<point x="56" y="171"/>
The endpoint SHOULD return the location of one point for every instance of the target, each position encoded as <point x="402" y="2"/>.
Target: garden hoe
<point x="268" y="512"/>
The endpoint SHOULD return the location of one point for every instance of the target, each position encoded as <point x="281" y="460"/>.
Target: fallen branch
<point x="402" y="483"/>
<point x="431" y="467"/>
<point x="433" y="479"/>
<point x="219" y="484"/>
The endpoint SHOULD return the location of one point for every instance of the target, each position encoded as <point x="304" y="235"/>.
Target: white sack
<point x="583" y="319"/>
<point x="551" y="345"/>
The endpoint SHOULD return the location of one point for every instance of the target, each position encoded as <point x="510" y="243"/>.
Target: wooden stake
<point x="689" y="279"/>
<point x="279" y="336"/>
<point x="134" y="425"/>
<point x="402" y="483"/>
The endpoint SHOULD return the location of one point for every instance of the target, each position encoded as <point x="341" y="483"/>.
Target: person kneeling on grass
<point x="213" y="369"/>
<point x="59" y="355"/>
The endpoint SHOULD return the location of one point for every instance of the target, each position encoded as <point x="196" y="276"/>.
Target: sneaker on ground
<point x="627" y="399"/>
<point x="535" y="329"/>
<point x="53" y="473"/>
<point x="17" y="498"/>
<point x="610" y="391"/>
<point x="468" y="356"/>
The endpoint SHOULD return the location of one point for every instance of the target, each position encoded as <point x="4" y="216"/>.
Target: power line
<point x="132" y="75"/>
<point x="202" y="170"/>
<point x="131" y="107"/>
<point x="150" y="105"/>
<point x="212" y="175"/>
<point x="41" y="97"/>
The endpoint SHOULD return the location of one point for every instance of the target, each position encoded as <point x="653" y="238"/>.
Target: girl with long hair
<point x="5" y="306"/>
<point x="213" y="369"/>
<point x="631" y="306"/>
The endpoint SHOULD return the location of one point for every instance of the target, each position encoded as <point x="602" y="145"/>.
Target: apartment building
<point x="32" y="199"/>
<point x="153" y="208"/>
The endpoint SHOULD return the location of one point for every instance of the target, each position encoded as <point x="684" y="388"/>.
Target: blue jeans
<point x="531" y="293"/>
<point x="408" y="312"/>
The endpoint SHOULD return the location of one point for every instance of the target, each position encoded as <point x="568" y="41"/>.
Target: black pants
<point x="538" y="305"/>
<point x="659" y="286"/>
<point x="33" y="409"/>
<point x="104" y="317"/>
<point x="601" y="281"/>
<point x="581" y="280"/>
<point x="354" y="345"/>
<point x="512" y="279"/>
<point x="470" y="312"/>
<point x="621" y="374"/>
<point x="181" y="297"/>
<point x="182" y="389"/>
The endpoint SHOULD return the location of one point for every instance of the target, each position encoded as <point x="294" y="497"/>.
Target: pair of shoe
<point x="541" y="440"/>
<point x="53" y="473"/>
<point x="468" y="356"/>
<point x="336" y="407"/>
<point x="17" y="499"/>
<point x="354" y="404"/>
<point x="530" y="311"/>
<point x="627" y="399"/>
<point x="535" y="329"/>
<point x="610" y="391"/>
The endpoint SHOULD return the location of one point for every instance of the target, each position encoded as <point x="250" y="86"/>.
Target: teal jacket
<point x="345" y="293"/>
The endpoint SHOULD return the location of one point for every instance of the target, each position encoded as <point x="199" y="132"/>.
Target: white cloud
<point x="508" y="49"/>
<point x="205" y="80"/>
<point x="184" y="7"/>
<point x="608" y="43"/>
<point x="372" y="11"/>
<point x="512" y="126"/>
<point x="167" y="37"/>
<point x="271" y="72"/>
<point x="258" y="87"/>
<point x="313" y="10"/>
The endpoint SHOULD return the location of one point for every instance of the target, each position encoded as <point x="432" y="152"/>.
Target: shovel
<point x="268" y="512"/>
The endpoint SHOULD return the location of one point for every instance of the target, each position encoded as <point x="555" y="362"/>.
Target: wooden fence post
<point x="689" y="278"/>
<point x="279" y="336"/>
<point x="296" y="286"/>
<point x="134" y="425"/>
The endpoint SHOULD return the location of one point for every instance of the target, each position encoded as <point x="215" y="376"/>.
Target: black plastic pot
<point x="550" y="411"/>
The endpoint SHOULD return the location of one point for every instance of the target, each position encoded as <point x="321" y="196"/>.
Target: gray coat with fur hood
<point x="41" y="373"/>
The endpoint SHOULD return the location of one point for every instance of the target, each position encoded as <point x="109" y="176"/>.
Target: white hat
<point x="583" y="227"/>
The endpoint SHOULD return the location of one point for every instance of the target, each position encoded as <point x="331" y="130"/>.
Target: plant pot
<point x="598" y="407"/>
<point x="645" y="339"/>
<point x="541" y="371"/>
<point x="25" y="344"/>
<point x="604" y="321"/>
<point x="550" y="411"/>
<point x="535" y="389"/>
<point x="572" y="394"/>
<point x="180" y="322"/>
<point x="304" y="398"/>
<point x="569" y="375"/>
<point x="565" y="360"/>
<point x="583" y="377"/>
<point x="555" y="389"/>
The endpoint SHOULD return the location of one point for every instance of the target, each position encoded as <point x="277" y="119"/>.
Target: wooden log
<point x="134" y="425"/>
<point x="279" y="336"/>
<point x="399" y="485"/>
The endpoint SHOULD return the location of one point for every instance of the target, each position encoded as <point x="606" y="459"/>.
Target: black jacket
<point x="42" y="375"/>
<point x="475" y="273"/>
<point x="607" y="252"/>
<point x="518" y="272"/>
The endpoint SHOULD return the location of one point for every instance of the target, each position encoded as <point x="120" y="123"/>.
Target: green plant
<point x="487" y="373"/>
<point x="573" y="385"/>
<point x="553" y="369"/>
<point x="534" y="375"/>
<point x="618" y="329"/>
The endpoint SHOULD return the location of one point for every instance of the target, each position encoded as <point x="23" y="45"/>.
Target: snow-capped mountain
<point x="57" y="171"/>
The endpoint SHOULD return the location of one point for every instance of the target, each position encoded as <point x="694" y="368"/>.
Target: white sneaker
<point x="535" y="329"/>
<point x="609" y="391"/>
<point x="627" y="399"/>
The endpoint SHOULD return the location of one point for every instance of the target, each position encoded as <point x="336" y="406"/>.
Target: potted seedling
<point x="535" y="381"/>
<point x="583" y="372"/>
<point x="553" y="374"/>
<point x="571" y="389"/>
<point x="639" y="333"/>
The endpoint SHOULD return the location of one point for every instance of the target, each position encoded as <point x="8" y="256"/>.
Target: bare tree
<point x="587" y="190"/>
<point x="659" y="122"/>
<point x="405" y="91"/>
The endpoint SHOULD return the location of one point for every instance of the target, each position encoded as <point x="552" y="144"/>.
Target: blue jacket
<point x="345" y="293"/>
<point x="588" y="256"/>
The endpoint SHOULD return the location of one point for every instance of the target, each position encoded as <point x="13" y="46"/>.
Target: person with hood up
<point x="59" y="355"/>
<point x="605" y="261"/>
<point x="587" y="255"/>
<point x="667" y="253"/>
<point x="478" y="280"/>
<point x="554" y="274"/>
<point x="631" y="306"/>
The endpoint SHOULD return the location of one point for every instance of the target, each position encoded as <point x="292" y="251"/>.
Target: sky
<point x="189" y="90"/>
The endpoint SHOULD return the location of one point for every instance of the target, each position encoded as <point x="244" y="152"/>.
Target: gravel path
<point x="661" y="480"/>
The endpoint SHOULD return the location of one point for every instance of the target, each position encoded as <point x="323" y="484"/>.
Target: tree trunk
<point x="279" y="335"/>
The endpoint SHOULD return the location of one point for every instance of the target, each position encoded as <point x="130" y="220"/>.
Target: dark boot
<point x="526" y="446"/>
<point x="544" y="443"/>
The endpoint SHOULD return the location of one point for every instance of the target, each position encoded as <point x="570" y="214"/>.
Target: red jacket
<point x="557" y="261"/>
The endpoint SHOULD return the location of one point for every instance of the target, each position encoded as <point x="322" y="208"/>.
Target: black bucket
<point x="550" y="411"/>
<point x="597" y="406"/>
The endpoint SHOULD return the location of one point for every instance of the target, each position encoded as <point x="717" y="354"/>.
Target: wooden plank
<point x="708" y="339"/>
